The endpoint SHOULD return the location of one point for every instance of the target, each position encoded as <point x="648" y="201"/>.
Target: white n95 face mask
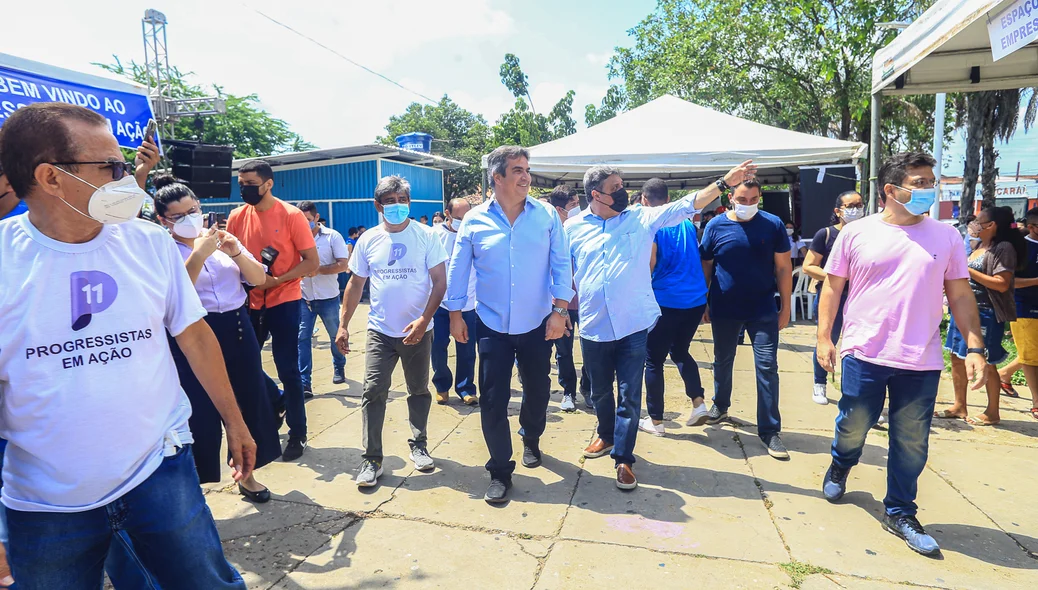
<point x="115" y="202"/>
<point x="189" y="227"/>
<point x="745" y="212"/>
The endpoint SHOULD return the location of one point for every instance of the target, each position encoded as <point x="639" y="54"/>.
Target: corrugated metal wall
<point x="344" y="193"/>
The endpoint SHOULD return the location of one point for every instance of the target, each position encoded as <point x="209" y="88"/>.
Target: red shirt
<point x="285" y="229"/>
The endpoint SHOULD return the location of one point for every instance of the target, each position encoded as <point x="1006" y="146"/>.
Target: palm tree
<point x="988" y="115"/>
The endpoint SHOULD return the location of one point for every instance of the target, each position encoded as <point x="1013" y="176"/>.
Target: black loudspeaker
<point x="205" y="168"/>
<point x="817" y="198"/>
<point x="776" y="203"/>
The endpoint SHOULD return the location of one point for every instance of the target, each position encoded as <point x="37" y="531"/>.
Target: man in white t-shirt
<point x="97" y="423"/>
<point x="321" y="297"/>
<point x="464" y="377"/>
<point x="405" y="262"/>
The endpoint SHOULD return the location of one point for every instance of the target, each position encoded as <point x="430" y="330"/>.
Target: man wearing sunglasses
<point x="99" y="448"/>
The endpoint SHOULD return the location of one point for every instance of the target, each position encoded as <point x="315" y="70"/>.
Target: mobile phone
<point x="149" y="133"/>
<point x="210" y="220"/>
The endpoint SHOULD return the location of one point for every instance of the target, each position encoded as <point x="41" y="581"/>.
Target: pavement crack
<point x="768" y="504"/>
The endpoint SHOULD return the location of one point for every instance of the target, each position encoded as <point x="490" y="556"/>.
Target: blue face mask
<point x="921" y="201"/>
<point x="313" y="224"/>
<point x="396" y="213"/>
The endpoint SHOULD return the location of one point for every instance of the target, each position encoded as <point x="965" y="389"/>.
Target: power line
<point x="334" y="52"/>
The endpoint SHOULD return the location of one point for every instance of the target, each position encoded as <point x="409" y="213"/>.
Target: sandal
<point x="1007" y="389"/>
<point x="946" y="415"/>
<point x="1034" y="413"/>
<point x="975" y="422"/>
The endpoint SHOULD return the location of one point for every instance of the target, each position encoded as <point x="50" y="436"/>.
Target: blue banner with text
<point x="127" y="113"/>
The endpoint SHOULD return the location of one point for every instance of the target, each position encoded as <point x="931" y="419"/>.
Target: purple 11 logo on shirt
<point x="92" y="291"/>
<point x="396" y="252"/>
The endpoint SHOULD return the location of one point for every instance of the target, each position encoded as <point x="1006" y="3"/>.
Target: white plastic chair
<point x="800" y="296"/>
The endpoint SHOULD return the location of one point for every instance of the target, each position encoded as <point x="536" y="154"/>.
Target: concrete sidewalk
<point x="712" y="510"/>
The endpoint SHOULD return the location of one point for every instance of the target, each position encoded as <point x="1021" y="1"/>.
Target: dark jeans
<point x="564" y="359"/>
<point x="672" y="335"/>
<point x="820" y="373"/>
<point x="465" y="355"/>
<point x="617" y="419"/>
<point x="166" y="518"/>
<point x="381" y="356"/>
<point x="309" y="311"/>
<point x="281" y="324"/>
<point x="241" y="356"/>
<point x="497" y="354"/>
<point x="764" y="335"/>
<point x="912" y="398"/>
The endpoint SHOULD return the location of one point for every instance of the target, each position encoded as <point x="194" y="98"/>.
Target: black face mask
<point x="250" y="193"/>
<point x="620" y="200"/>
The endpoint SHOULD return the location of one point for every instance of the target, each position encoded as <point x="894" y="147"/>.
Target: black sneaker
<point x="340" y="376"/>
<point x="531" y="453"/>
<point x="587" y="400"/>
<point x="497" y="492"/>
<point x="294" y="449"/>
<point x="308" y="392"/>
<point x="775" y="447"/>
<point x="913" y="533"/>
<point x="716" y="415"/>
<point x="835" y="483"/>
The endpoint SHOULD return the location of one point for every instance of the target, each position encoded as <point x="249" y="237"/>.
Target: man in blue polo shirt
<point x="680" y="290"/>
<point x="746" y="261"/>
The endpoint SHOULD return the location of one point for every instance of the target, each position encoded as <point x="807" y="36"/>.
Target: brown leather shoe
<point x="625" y="479"/>
<point x="599" y="448"/>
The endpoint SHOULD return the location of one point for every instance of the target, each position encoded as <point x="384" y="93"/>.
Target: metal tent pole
<point x="874" y="150"/>
<point x="938" y="149"/>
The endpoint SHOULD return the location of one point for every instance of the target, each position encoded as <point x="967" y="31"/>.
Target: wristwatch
<point x="722" y="185"/>
<point x="979" y="351"/>
<point x="562" y="311"/>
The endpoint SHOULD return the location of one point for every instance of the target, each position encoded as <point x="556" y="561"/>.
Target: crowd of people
<point x="173" y="317"/>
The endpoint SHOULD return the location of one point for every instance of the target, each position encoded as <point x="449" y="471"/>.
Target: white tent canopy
<point x="684" y="143"/>
<point x="949" y="49"/>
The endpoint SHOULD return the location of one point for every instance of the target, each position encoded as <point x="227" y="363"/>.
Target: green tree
<point x="457" y="134"/>
<point x="522" y="125"/>
<point x="613" y="103"/>
<point x="803" y="65"/>
<point x="251" y="130"/>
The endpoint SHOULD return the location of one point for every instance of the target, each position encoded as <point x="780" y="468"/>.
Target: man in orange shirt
<point x="268" y="226"/>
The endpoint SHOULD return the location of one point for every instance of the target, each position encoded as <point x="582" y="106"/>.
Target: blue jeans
<point x="465" y="360"/>
<point x="912" y="398"/>
<point x="820" y="374"/>
<point x="617" y="419"/>
<point x="328" y="310"/>
<point x="281" y="324"/>
<point x="564" y="359"/>
<point x="764" y="335"/>
<point x="166" y="517"/>
<point x="990" y="328"/>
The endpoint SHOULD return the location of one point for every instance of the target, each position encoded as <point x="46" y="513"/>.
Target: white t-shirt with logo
<point x="88" y="388"/>
<point x="448" y="238"/>
<point x="397" y="264"/>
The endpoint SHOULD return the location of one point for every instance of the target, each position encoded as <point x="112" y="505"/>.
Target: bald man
<point x="465" y="353"/>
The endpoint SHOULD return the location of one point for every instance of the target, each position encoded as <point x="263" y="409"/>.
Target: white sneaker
<point x="882" y="418"/>
<point x="819" y="395"/>
<point x="653" y="429"/>
<point x="699" y="416"/>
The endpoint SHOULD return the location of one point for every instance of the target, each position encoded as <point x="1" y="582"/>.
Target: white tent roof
<point x="683" y="142"/>
<point x="939" y="51"/>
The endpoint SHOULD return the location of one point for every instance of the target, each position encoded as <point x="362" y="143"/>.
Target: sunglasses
<point x="120" y="168"/>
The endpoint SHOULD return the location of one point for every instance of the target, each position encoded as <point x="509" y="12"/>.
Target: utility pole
<point x="938" y="151"/>
<point x="169" y="110"/>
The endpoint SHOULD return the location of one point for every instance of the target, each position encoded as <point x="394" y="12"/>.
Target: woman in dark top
<point x="992" y="266"/>
<point x="849" y="207"/>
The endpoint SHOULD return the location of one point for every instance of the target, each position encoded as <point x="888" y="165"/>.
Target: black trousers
<point x="497" y="354"/>
<point x="241" y="356"/>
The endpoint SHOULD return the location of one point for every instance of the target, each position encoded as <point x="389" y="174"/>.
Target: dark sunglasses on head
<point x="120" y="168"/>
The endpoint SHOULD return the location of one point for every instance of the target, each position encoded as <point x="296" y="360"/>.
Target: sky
<point x="447" y="46"/>
<point x="1022" y="148"/>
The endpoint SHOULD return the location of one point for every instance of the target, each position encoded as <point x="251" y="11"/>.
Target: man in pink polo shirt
<point x="898" y="266"/>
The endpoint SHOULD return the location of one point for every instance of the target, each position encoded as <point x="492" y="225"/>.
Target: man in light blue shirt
<point x="610" y="246"/>
<point x="523" y="285"/>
